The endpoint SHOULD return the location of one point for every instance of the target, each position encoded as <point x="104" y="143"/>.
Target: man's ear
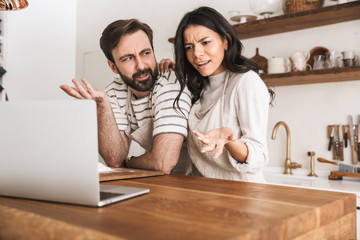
<point x="112" y="67"/>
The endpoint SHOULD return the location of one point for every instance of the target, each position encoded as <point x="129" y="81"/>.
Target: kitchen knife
<point x="352" y="130"/>
<point x="331" y="138"/>
<point x="342" y="167"/>
<point x="355" y="139"/>
<point x="346" y="136"/>
<point x="341" y="144"/>
<point x="336" y="151"/>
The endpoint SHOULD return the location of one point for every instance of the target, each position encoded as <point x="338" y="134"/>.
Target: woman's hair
<point x="116" y="30"/>
<point x="233" y="60"/>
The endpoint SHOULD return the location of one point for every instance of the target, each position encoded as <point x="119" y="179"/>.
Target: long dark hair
<point x="233" y="60"/>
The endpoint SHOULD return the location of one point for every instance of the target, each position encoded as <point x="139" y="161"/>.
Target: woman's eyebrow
<point x="202" y="39"/>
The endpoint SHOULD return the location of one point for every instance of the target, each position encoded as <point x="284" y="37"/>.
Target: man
<point x="139" y="105"/>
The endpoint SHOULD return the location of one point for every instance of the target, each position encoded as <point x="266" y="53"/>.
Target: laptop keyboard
<point x="107" y="195"/>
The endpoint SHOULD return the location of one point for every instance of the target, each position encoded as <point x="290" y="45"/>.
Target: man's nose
<point x="140" y="64"/>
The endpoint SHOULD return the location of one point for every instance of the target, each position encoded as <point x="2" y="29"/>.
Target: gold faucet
<point x="312" y="164"/>
<point x="288" y="164"/>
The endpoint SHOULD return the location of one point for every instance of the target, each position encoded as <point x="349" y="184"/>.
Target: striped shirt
<point x="154" y="112"/>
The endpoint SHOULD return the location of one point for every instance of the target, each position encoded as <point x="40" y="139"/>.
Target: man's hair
<point x="116" y="30"/>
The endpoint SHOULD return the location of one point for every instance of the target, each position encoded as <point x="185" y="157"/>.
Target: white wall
<point x="40" y="49"/>
<point x="308" y="109"/>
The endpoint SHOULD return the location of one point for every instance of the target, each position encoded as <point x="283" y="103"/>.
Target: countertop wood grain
<point x="181" y="207"/>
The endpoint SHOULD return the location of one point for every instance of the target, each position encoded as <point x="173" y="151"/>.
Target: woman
<point x="230" y="101"/>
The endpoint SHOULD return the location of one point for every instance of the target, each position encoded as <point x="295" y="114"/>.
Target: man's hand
<point x="216" y="138"/>
<point x="84" y="92"/>
<point x="113" y="144"/>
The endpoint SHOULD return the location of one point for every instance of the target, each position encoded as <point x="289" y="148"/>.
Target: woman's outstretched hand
<point x="216" y="138"/>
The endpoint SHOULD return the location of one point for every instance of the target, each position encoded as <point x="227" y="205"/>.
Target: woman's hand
<point x="165" y="64"/>
<point x="216" y="138"/>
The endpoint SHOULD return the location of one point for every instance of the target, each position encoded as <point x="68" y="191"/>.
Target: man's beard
<point x="143" y="85"/>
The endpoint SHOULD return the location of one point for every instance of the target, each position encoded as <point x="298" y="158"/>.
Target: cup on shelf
<point x="348" y="58"/>
<point x="299" y="60"/>
<point x="333" y="59"/>
<point x="278" y="65"/>
<point x="357" y="58"/>
<point x="319" y="62"/>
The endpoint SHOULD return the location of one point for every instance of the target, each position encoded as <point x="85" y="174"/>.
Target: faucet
<point x="288" y="163"/>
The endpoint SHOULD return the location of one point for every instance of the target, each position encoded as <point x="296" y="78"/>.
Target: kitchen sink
<point x="275" y="176"/>
<point x="289" y="180"/>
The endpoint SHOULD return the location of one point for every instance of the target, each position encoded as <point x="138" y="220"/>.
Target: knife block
<point x="329" y="127"/>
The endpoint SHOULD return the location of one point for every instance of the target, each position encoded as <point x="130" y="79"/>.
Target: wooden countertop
<point x="181" y="207"/>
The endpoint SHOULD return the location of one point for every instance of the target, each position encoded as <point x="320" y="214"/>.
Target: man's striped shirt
<point x="131" y="113"/>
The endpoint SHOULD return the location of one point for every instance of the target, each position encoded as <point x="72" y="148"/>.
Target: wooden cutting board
<point x="125" y="173"/>
<point x="261" y="61"/>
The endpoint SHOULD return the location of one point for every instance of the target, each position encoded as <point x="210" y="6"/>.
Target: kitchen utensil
<point x="346" y="136"/>
<point x="334" y="175"/>
<point x="342" y="167"/>
<point x="319" y="62"/>
<point x="348" y="57"/>
<point x="333" y="58"/>
<point x="341" y="144"/>
<point x="336" y="151"/>
<point x="278" y="65"/>
<point x="316" y="51"/>
<point x="357" y="58"/>
<point x="261" y="61"/>
<point x="353" y="140"/>
<point x="299" y="61"/>
<point x="331" y="138"/>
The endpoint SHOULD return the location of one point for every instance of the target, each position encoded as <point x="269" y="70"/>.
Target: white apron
<point x="224" y="166"/>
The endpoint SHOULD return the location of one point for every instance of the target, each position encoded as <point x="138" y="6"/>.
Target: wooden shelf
<point x="297" y="21"/>
<point x="317" y="76"/>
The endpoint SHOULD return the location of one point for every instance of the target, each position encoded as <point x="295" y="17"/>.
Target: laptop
<point x="49" y="151"/>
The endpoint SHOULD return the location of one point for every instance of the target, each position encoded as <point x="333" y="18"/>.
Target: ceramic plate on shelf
<point x="316" y="51"/>
<point x="243" y="18"/>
